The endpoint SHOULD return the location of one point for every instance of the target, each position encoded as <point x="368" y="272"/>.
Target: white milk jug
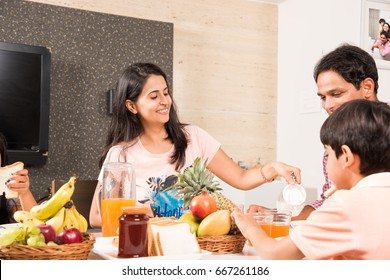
<point x="291" y="199"/>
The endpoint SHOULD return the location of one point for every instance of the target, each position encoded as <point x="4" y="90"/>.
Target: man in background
<point x="344" y="74"/>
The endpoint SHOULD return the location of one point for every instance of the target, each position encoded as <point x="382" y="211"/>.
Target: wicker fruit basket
<point x="224" y="244"/>
<point x="75" y="251"/>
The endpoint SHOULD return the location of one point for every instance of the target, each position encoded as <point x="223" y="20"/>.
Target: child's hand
<point x="244" y="222"/>
<point x="19" y="182"/>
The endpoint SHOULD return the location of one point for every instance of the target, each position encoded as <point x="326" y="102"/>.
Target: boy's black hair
<point x="364" y="126"/>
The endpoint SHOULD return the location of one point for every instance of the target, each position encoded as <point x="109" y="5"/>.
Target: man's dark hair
<point x="350" y="62"/>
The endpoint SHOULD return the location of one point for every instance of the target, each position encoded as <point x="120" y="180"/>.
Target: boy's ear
<point x="349" y="157"/>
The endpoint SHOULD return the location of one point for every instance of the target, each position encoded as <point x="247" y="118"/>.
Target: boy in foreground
<point x="353" y="222"/>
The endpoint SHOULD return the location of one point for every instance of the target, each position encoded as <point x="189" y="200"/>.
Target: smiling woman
<point x="145" y="129"/>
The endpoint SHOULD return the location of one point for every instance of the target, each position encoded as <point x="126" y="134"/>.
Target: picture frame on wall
<point x="372" y="12"/>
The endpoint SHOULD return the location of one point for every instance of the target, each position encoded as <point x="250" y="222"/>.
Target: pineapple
<point x="196" y="179"/>
<point x="223" y="203"/>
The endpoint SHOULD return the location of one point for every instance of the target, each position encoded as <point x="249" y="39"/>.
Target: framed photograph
<point x="372" y="12"/>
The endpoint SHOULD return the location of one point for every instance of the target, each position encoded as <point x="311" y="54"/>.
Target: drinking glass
<point x="280" y="224"/>
<point x="264" y="219"/>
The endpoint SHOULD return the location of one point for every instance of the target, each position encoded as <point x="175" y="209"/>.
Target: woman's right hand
<point x="290" y="173"/>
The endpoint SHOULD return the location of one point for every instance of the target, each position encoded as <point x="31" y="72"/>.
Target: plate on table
<point x="105" y="248"/>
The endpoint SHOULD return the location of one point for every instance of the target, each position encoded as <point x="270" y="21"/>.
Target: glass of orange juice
<point x="264" y="220"/>
<point x="280" y="224"/>
<point x="118" y="190"/>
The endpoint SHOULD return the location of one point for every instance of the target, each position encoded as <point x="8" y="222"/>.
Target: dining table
<point x="103" y="252"/>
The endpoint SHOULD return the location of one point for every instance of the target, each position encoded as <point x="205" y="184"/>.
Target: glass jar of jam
<point x="133" y="232"/>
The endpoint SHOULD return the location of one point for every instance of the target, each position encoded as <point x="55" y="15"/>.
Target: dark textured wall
<point x="89" y="50"/>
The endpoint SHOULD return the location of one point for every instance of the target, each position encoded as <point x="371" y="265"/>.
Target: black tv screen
<point x="25" y="101"/>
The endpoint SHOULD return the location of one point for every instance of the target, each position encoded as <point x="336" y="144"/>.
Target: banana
<point x="70" y="219"/>
<point x="25" y="217"/>
<point x="82" y="221"/>
<point x="57" y="220"/>
<point x="48" y="209"/>
<point x="73" y="218"/>
<point x="68" y="222"/>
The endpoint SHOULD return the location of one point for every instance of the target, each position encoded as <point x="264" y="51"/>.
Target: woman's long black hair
<point x="3" y="150"/>
<point x="126" y="126"/>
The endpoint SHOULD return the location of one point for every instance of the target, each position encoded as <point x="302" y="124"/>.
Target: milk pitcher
<point x="291" y="199"/>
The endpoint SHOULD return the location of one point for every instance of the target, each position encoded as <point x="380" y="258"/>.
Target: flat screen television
<point x="25" y="101"/>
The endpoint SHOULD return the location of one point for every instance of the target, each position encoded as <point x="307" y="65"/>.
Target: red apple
<point x="68" y="236"/>
<point x="48" y="232"/>
<point x="202" y="205"/>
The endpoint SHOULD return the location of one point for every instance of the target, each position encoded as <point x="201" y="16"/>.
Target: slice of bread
<point x="163" y="220"/>
<point x="170" y="239"/>
<point x="5" y="174"/>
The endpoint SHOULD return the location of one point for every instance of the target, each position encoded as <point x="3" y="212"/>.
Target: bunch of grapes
<point x="25" y="235"/>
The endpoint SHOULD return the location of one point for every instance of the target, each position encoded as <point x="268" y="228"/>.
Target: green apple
<point x="191" y="220"/>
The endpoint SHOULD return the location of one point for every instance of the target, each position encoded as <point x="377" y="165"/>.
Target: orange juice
<point x="111" y="210"/>
<point x="279" y="229"/>
<point x="267" y="228"/>
<point x="264" y="226"/>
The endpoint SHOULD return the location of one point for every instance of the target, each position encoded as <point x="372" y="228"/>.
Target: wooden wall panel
<point x="224" y="65"/>
<point x="89" y="50"/>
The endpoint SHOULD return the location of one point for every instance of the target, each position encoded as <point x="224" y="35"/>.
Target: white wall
<point x="265" y="195"/>
<point x="307" y="30"/>
<point x="384" y="85"/>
